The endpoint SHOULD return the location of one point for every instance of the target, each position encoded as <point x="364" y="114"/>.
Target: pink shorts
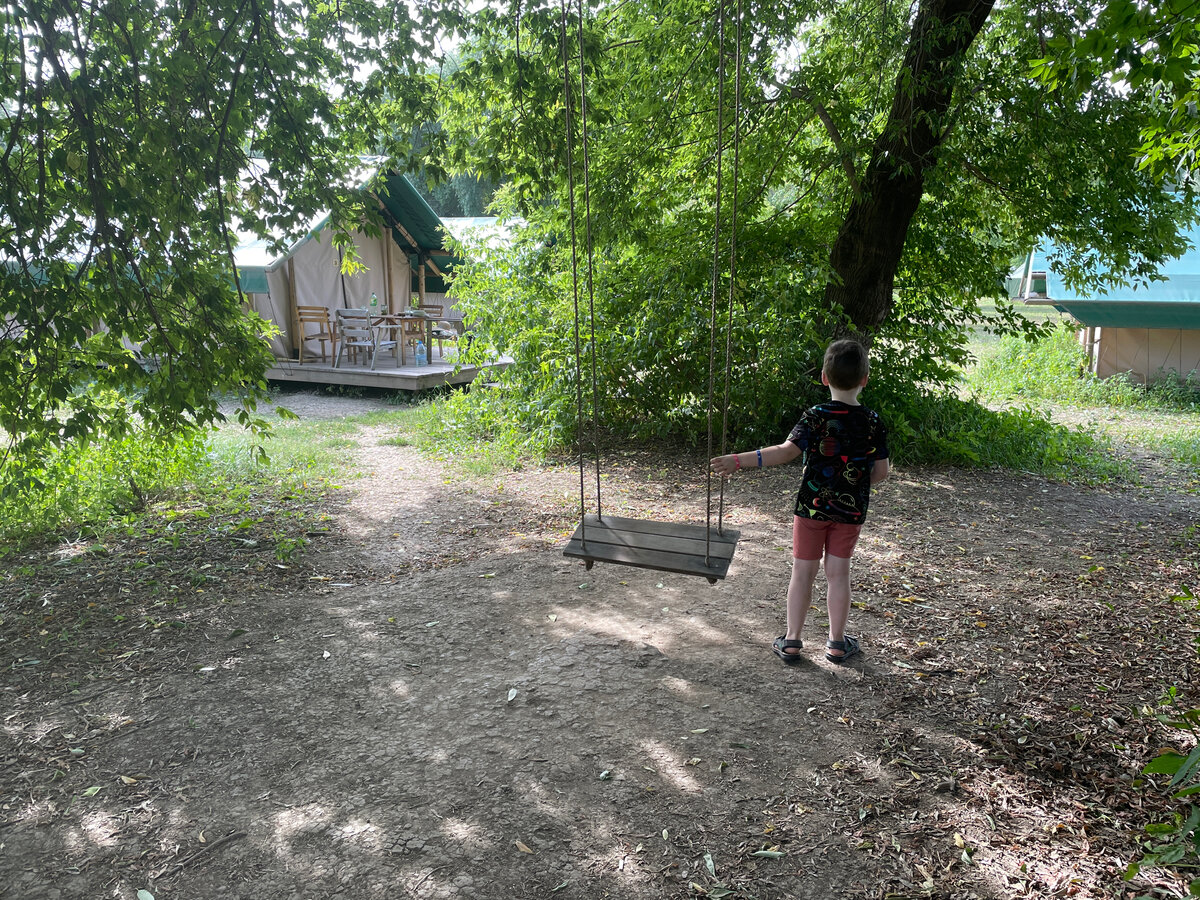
<point x="813" y="538"/>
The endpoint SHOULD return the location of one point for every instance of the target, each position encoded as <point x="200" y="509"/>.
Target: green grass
<point x="984" y="344"/>
<point x="1163" y="418"/>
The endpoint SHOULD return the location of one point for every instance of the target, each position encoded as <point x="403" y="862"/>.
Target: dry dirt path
<point x="431" y="701"/>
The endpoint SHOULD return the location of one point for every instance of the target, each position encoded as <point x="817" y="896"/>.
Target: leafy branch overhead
<point x="138" y="140"/>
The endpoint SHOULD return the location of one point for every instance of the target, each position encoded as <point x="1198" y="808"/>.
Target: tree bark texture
<point x="868" y="247"/>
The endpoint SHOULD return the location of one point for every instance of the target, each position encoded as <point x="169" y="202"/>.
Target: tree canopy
<point x="893" y="163"/>
<point x="138" y="139"/>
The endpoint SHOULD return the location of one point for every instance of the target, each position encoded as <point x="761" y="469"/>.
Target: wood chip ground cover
<point x="406" y="691"/>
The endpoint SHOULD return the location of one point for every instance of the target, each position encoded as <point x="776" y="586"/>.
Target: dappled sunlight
<point x="671" y="766"/>
<point x="399" y="688"/>
<point x="678" y="686"/>
<point x="292" y="824"/>
<point x="362" y="835"/>
<point x="31" y="732"/>
<point x="469" y="835"/>
<point x="101" y="828"/>
<point x="544" y="801"/>
<point x="495" y="721"/>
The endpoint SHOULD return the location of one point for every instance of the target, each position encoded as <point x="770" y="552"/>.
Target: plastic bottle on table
<point x="422" y="360"/>
<point x="374" y="302"/>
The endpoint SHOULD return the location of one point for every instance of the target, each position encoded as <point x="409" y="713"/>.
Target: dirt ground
<point x="427" y="700"/>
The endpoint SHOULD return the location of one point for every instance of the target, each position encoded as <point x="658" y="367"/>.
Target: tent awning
<point x="1173" y="302"/>
<point x="414" y="226"/>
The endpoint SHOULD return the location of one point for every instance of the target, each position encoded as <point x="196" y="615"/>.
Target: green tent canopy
<point x="1173" y="302"/>
<point x="414" y="226"/>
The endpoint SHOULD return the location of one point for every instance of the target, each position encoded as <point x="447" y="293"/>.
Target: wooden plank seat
<point x="666" y="546"/>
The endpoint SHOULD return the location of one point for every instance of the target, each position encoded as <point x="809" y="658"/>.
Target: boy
<point x="845" y="452"/>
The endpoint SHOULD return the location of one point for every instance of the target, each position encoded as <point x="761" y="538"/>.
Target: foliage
<point x="1149" y="48"/>
<point x="138" y="139"/>
<point x="84" y="488"/>
<point x="78" y="485"/>
<point x="1176" y="843"/>
<point x="941" y="428"/>
<point x="1011" y="168"/>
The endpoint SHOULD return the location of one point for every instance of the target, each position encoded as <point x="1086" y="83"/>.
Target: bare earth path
<point x="430" y="701"/>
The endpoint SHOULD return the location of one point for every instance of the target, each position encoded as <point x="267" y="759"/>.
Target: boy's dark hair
<point x="846" y="364"/>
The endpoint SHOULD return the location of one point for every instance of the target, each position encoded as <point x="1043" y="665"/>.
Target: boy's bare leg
<point x="837" y="598"/>
<point x="799" y="596"/>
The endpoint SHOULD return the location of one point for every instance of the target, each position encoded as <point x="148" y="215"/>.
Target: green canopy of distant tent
<point x="1173" y="302"/>
<point x="404" y="212"/>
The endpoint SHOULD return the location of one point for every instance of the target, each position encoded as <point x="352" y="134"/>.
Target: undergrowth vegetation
<point x="1163" y="417"/>
<point x="489" y="428"/>
<point x="1053" y="368"/>
<point x="78" y="491"/>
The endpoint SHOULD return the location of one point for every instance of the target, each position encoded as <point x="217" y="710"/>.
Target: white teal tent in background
<point x="1148" y="330"/>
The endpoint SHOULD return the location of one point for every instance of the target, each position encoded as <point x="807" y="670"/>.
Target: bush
<point x="938" y="428"/>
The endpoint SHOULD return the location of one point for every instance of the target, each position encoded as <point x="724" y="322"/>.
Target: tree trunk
<point x="867" y="250"/>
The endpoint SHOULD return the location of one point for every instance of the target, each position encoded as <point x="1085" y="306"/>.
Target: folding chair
<point x="356" y="332"/>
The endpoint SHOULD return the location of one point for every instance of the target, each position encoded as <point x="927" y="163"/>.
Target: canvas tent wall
<point x="406" y="261"/>
<point x="1146" y="330"/>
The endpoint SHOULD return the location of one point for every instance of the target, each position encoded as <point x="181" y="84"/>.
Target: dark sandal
<point x="782" y="645"/>
<point x="849" y="648"/>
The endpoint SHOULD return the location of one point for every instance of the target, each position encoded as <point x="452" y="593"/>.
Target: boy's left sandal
<point x="849" y="648"/>
<point x="781" y="647"/>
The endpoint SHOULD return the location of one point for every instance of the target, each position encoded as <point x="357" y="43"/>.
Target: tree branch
<point x="845" y="155"/>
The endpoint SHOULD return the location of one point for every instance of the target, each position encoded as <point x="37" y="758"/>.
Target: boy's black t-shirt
<point x="840" y="443"/>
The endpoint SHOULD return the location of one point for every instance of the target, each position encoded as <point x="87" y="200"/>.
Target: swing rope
<point x="570" y="128"/>
<point x="677" y="548"/>
<point x="716" y="269"/>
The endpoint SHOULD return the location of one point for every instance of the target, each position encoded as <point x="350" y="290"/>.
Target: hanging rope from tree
<point x="674" y="547"/>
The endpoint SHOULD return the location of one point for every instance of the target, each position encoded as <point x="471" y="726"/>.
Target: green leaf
<point x="1167" y="763"/>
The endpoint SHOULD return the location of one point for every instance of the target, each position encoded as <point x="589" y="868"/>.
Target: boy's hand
<point x="724" y="465"/>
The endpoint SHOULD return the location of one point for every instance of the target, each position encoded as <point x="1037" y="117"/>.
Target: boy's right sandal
<point x="848" y="646"/>
<point x="781" y="647"/>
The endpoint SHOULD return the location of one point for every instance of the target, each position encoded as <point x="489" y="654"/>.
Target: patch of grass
<point x="462" y="429"/>
<point x="935" y="429"/>
<point x="297" y="448"/>
<point x="84" y="490"/>
<point x="1183" y="445"/>
<point x="81" y="484"/>
<point x="1054" y="369"/>
<point x="1163" y="418"/>
<point x="983" y="344"/>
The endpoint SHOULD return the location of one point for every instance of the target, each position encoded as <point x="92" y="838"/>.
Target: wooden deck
<point x="388" y="374"/>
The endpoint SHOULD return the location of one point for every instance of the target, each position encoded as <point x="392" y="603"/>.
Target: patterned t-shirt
<point x="840" y="443"/>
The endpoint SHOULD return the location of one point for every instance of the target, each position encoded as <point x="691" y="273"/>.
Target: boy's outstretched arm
<point x="880" y="470"/>
<point x="753" y="459"/>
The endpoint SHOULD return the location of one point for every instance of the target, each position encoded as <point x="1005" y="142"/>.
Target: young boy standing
<point x="844" y="445"/>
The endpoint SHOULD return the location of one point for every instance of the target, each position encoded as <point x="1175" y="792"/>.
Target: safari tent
<point x="1147" y="330"/>
<point x="407" y="265"/>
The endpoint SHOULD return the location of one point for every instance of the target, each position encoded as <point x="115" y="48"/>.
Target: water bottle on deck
<point x="422" y="359"/>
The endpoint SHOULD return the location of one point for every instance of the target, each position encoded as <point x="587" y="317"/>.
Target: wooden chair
<point x="356" y="332"/>
<point x="442" y="331"/>
<point x="318" y="316"/>
<point x="412" y="329"/>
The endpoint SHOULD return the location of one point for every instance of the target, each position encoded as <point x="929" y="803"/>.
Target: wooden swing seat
<point x="665" y="546"/>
